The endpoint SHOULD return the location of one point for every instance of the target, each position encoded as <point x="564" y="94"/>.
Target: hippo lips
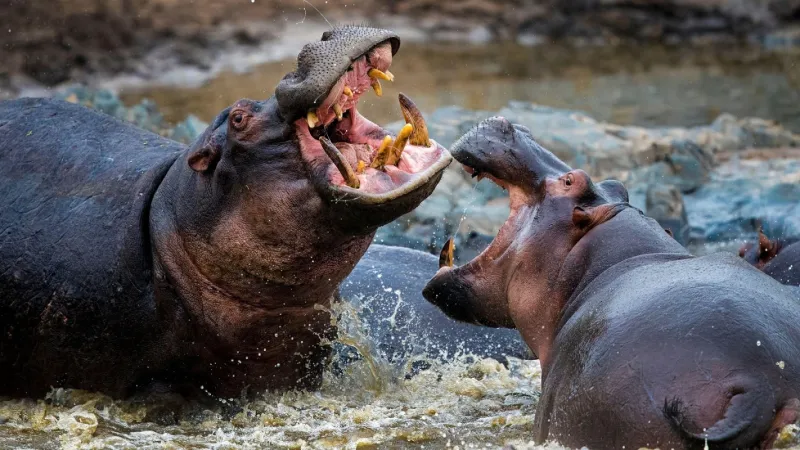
<point x="354" y="159"/>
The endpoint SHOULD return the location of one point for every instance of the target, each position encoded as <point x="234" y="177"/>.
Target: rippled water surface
<point x="641" y="85"/>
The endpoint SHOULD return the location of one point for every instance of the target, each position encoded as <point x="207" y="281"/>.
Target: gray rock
<point x="664" y="203"/>
<point x="188" y="130"/>
<point x="745" y="195"/>
<point x="658" y="165"/>
<point x="146" y="115"/>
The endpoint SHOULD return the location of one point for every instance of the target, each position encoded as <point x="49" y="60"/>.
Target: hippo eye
<point x="238" y="120"/>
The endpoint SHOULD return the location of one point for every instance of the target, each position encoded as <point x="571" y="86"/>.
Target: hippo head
<point x="552" y="208"/>
<point x="760" y="253"/>
<point x="275" y="203"/>
<point x="303" y="173"/>
<point x="364" y="176"/>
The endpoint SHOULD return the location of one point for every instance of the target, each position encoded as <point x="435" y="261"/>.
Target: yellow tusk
<point x="399" y="144"/>
<point x="312" y="119"/>
<point x="340" y="162"/>
<point x="413" y="116"/>
<point x="337" y="108"/>
<point x="347" y="91"/>
<point x="376" y="86"/>
<point x="382" y="154"/>
<point x="375" y="73"/>
<point x="446" y="256"/>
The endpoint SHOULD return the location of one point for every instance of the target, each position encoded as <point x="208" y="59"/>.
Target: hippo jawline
<point x="353" y="159"/>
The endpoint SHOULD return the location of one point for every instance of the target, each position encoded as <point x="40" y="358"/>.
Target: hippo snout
<point x="454" y="297"/>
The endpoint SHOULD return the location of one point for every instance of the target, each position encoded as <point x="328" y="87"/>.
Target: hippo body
<point x="77" y="303"/>
<point x="131" y="263"/>
<point x="641" y="344"/>
<point x="785" y="266"/>
<point x="386" y="286"/>
<point x="668" y="336"/>
<point x="778" y="258"/>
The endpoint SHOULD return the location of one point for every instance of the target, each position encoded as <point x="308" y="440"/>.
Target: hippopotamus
<point x="385" y="289"/>
<point x="778" y="258"/>
<point x="641" y="344"/>
<point x="130" y="263"/>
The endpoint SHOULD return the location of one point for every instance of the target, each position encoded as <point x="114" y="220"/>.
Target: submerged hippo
<point x="641" y="344"/>
<point x="129" y="262"/>
<point x="779" y="258"/>
<point x="385" y="289"/>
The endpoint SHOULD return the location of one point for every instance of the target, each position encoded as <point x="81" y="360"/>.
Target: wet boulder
<point x="664" y="203"/>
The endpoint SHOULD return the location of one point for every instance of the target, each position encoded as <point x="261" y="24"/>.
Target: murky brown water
<point x="654" y="85"/>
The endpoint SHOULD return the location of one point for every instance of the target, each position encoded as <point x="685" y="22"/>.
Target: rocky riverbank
<point x="46" y="43"/>
<point x="712" y="186"/>
<point x="703" y="183"/>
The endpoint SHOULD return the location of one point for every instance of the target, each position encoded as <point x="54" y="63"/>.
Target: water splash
<point x="465" y="403"/>
<point x="472" y="197"/>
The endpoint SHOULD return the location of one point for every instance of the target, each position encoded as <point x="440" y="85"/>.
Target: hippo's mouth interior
<point x="357" y="158"/>
<point x="519" y="199"/>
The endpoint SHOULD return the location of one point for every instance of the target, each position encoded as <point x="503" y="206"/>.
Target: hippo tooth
<point x="337" y="108"/>
<point x="375" y="73"/>
<point x="347" y="91"/>
<point x="338" y="160"/>
<point x="446" y="255"/>
<point x="376" y="86"/>
<point x="312" y="119"/>
<point x="382" y="154"/>
<point x="399" y="144"/>
<point x="413" y="116"/>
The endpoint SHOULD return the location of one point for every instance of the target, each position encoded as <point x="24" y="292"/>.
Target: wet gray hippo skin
<point x="778" y="258"/>
<point x="386" y="289"/>
<point x="641" y="344"/>
<point x="129" y="262"/>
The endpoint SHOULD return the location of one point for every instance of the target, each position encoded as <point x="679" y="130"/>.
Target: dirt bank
<point x="53" y="41"/>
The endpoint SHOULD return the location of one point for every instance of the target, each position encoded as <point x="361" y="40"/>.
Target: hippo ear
<point x="763" y="242"/>
<point x="205" y="158"/>
<point x="767" y="248"/>
<point x="587" y="218"/>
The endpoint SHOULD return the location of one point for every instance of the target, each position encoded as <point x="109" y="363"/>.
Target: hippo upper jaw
<point x="552" y="208"/>
<point x="352" y="162"/>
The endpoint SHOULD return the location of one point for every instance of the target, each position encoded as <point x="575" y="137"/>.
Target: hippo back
<point x="785" y="267"/>
<point x="663" y="329"/>
<point x="386" y="290"/>
<point x="74" y="246"/>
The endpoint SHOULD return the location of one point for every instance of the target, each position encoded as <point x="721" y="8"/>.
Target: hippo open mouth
<point x="552" y="207"/>
<point x="351" y="158"/>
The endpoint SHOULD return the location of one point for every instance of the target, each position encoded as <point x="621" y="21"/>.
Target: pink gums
<point x="358" y="138"/>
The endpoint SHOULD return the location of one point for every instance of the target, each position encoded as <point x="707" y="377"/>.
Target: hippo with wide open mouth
<point x="129" y="262"/>
<point x="641" y="344"/>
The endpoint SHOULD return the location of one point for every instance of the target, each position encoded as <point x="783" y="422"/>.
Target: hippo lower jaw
<point x="354" y="161"/>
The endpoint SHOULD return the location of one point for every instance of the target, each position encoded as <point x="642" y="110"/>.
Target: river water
<point x="466" y="403"/>
<point x="641" y="85"/>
